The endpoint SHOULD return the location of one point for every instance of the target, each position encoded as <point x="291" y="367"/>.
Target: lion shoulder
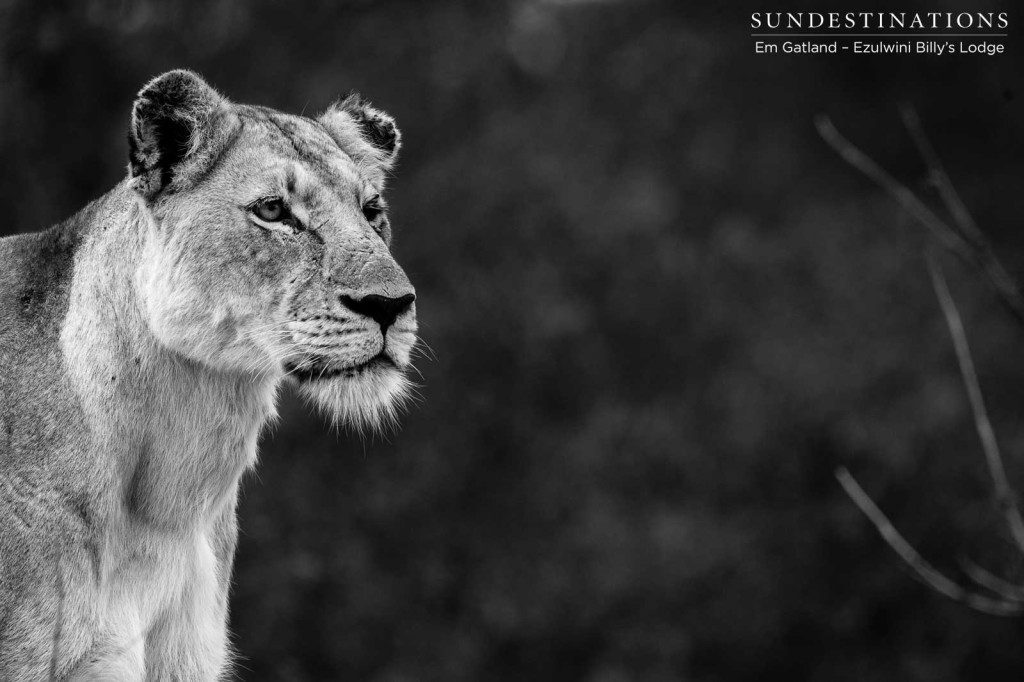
<point x="35" y="278"/>
<point x="36" y="271"/>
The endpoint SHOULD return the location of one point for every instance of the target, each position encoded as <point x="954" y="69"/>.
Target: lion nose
<point x="383" y="309"/>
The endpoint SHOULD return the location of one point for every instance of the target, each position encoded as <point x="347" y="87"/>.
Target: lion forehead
<point x="279" y="137"/>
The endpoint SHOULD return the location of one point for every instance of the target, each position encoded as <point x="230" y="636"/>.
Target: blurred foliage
<point x="662" y="313"/>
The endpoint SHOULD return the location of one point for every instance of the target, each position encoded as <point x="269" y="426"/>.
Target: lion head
<point x="267" y="244"/>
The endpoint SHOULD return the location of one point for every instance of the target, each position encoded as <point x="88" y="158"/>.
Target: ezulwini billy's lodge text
<point x="888" y="46"/>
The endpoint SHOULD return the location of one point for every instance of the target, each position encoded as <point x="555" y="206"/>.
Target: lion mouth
<point x="308" y="372"/>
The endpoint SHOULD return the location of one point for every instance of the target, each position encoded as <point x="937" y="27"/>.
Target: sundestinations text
<point x="880" y="20"/>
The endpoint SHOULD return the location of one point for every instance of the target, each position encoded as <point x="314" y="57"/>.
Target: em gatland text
<point x="880" y="33"/>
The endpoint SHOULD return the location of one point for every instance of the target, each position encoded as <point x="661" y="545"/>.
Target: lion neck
<point x="169" y="436"/>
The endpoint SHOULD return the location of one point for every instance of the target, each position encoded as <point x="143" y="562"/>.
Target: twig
<point x="897" y="190"/>
<point x="923" y="570"/>
<point x="967" y="242"/>
<point x="950" y="197"/>
<point x="1005" y="497"/>
<point x="983" y="253"/>
<point x="992" y="582"/>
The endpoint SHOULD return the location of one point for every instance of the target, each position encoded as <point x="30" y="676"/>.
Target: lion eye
<point x="372" y="209"/>
<point x="271" y="210"/>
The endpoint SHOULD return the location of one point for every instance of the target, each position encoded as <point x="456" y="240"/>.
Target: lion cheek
<point x="194" y="328"/>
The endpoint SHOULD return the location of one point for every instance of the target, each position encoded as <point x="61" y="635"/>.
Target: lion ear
<point x="172" y="121"/>
<point x="365" y="133"/>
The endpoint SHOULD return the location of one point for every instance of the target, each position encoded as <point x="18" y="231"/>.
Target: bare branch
<point x="990" y="581"/>
<point x="923" y="570"/>
<point x="1005" y="497"/>
<point x="965" y="240"/>
<point x="949" y="237"/>
<point x="950" y="197"/>
<point x="984" y="255"/>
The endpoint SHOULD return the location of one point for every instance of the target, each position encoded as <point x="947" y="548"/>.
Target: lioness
<point x="142" y="346"/>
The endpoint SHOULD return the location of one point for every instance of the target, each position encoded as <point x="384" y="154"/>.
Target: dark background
<point x="662" y="311"/>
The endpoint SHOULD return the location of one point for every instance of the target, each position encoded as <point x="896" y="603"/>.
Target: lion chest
<point x="161" y="600"/>
<point x="160" y="575"/>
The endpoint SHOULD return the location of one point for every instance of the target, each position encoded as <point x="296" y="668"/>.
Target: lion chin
<point x="366" y="398"/>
